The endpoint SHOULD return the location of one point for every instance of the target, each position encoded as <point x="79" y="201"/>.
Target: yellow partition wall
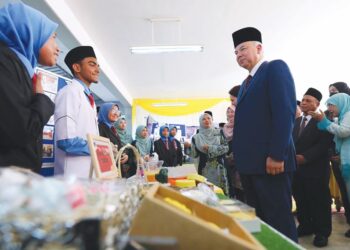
<point x="178" y="111"/>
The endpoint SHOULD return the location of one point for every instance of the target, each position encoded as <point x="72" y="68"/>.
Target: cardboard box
<point x="155" y="217"/>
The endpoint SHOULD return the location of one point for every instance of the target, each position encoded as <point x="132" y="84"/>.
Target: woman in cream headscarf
<point x="210" y="146"/>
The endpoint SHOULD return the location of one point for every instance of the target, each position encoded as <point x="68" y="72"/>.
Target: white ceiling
<point x="311" y="36"/>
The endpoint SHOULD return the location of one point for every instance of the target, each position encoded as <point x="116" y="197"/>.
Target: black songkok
<point x="245" y="35"/>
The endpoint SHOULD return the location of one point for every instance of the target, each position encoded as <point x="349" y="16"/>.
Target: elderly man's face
<point x="248" y="54"/>
<point x="309" y="103"/>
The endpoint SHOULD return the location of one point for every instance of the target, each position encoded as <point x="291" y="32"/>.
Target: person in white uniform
<point x="75" y="114"/>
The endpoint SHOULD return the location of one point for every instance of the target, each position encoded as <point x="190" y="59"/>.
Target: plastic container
<point x="151" y="169"/>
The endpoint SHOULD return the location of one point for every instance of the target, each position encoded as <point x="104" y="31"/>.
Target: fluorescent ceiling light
<point x="169" y="104"/>
<point x="166" y="49"/>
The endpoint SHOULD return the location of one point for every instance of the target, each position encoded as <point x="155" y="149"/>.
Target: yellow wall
<point x="189" y="106"/>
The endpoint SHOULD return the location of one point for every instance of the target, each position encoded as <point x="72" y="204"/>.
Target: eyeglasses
<point x="115" y="111"/>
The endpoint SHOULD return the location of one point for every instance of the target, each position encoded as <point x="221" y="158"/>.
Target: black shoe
<point x="303" y="232"/>
<point x="320" y="241"/>
<point x="347" y="234"/>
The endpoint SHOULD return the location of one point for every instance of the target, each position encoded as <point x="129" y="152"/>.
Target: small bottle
<point x="141" y="170"/>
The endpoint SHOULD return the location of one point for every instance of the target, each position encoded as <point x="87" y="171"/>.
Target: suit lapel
<point x="306" y="129"/>
<point x="242" y="92"/>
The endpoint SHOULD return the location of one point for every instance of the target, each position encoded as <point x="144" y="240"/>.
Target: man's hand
<point x="114" y="149"/>
<point x="274" y="167"/>
<point x="300" y="159"/>
<point x="205" y="147"/>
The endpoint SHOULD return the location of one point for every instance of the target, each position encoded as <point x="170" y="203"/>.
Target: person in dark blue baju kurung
<point x="263" y="146"/>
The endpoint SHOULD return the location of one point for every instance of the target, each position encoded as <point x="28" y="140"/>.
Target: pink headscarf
<point x="228" y="127"/>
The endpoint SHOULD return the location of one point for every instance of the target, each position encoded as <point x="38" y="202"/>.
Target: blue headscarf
<point x="342" y="101"/>
<point x="161" y="133"/>
<point x="25" y="31"/>
<point x="103" y="114"/>
<point x="171" y="128"/>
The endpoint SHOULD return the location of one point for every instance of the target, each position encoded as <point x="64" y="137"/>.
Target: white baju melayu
<point x="74" y="119"/>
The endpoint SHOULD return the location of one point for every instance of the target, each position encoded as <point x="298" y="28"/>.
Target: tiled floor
<point x="337" y="240"/>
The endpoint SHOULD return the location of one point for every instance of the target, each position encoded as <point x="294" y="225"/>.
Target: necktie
<point x="302" y="125"/>
<point x="166" y="144"/>
<point x="114" y="130"/>
<point x="91" y="99"/>
<point x="34" y="83"/>
<point x="175" y="146"/>
<point x="247" y="81"/>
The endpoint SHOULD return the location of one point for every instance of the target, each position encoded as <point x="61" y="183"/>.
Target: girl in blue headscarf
<point x="107" y="116"/>
<point x="26" y="38"/>
<point x="177" y="144"/>
<point x="165" y="148"/>
<point x="339" y="106"/>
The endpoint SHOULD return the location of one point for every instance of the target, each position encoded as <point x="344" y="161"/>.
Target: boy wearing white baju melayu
<point x="75" y="115"/>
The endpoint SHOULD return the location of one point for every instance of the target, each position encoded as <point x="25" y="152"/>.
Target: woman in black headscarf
<point x="338" y="87"/>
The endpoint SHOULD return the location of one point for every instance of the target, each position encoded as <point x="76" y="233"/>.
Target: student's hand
<point x="38" y="84"/>
<point x="124" y="158"/>
<point x="146" y="157"/>
<point x="205" y="147"/>
<point x="114" y="149"/>
<point x="187" y="144"/>
<point x="274" y="167"/>
<point x="317" y="116"/>
<point x="300" y="159"/>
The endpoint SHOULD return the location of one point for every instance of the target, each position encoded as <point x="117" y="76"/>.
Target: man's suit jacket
<point x="313" y="144"/>
<point x="264" y="120"/>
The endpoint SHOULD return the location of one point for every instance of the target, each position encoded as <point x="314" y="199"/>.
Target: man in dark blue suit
<point x="262" y="143"/>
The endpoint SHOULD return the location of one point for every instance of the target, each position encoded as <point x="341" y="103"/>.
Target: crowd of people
<point x="269" y="150"/>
